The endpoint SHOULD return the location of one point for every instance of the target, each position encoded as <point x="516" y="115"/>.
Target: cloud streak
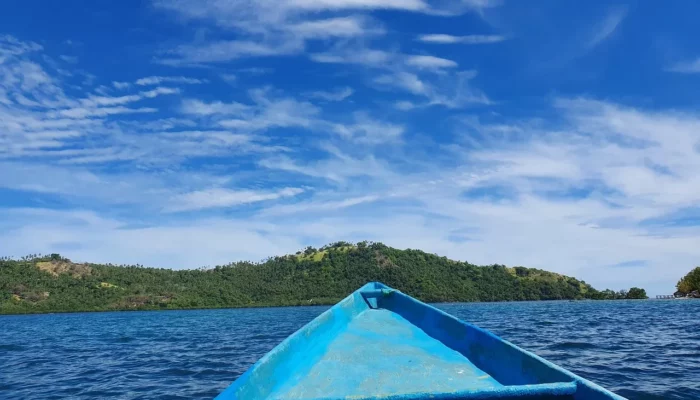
<point x="158" y="80"/>
<point x="607" y="26"/>
<point x="223" y="198"/>
<point x="438" y="38"/>
<point x="172" y="167"/>
<point x="686" y="67"/>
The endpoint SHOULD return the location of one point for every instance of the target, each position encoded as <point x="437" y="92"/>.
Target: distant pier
<point x="665" y="296"/>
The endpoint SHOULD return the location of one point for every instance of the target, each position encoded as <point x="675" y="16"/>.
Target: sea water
<point x="638" y="349"/>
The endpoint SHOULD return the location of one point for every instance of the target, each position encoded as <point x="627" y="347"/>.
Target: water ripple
<point x="641" y="350"/>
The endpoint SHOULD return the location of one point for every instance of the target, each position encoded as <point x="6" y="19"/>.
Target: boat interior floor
<point x="379" y="352"/>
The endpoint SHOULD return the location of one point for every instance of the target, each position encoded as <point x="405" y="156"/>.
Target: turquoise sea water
<point x="639" y="349"/>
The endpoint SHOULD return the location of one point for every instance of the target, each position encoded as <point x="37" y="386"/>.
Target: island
<point x="689" y="285"/>
<point x="41" y="284"/>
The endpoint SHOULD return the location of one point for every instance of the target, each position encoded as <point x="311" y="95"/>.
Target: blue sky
<point x="551" y="134"/>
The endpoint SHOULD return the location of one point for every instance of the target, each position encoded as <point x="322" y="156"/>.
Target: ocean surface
<point x="638" y="349"/>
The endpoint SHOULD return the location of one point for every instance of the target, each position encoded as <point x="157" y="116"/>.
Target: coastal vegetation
<point x="36" y="284"/>
<point x="636" y="293"/>
<point x="689" y="285"/>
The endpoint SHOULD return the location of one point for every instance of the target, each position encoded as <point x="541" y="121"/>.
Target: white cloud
<point x="594" y="186"/>
<point x="69" y="59"/>
<point x="98" y="101"/>
<point x="227" y="50"/>
<point x="157" y="80"/>
<point x="221" y="198"/>
<point x="320" y="5"/>
<point x="404" y="80"/>
<point x="121" y="85"/>
<point x="337" y="95"/>
<point x="12" y="47"/>
<point x="404" y="105"/>
<point x="334" y="27"/>
<point x="362" y="56"/>
<point x="637" y="165"/>
<point x="468" y="39"/>
<point x="338" y="167"/>
<point x="430" y="62"/>
<point x="267" y="111"/>
<point x="445" y="86"/>
<point x="159" y="91"/>
<point x="451" y="91"/>
<point x="686" y="67"/>
<point x="318" y="207"/>
<point x="268" y="28"/>
<point x="273" y="15"/>
<point x="230" y="78"/>
<point x="369" y="131"/>
<point x="40" y="122"/>
<point x="607" y="26"/>
<point x="83" y="112"/>
<point x="198" y="107"/>
<point x="92" y="237"/>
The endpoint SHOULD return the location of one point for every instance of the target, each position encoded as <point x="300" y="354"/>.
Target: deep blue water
<point x="639" y="349"/>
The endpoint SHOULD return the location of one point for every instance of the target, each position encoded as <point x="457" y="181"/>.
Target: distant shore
<point x="54" y="284"/>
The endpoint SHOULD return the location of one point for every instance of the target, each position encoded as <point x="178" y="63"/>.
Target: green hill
<point x="690" y="283"/>
<point x="323" y="276"/>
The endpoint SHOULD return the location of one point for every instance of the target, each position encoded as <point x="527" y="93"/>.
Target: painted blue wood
<point x="379" y="343"/>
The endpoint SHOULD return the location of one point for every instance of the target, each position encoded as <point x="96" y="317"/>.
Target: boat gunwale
<point x="513" y="391"/>
<point x="520" y="391"/>
<point x="236" y="384"/>
<point x="581" y="381"/>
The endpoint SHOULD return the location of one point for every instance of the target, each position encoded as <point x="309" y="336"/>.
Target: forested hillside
<point x="314" y="276"/>
<point x="689" y="285"/>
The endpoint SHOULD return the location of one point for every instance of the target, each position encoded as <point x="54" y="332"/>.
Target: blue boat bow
<point x="379" y="343"/>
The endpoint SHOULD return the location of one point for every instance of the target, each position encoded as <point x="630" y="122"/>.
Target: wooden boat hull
<point x="379" y="343"/>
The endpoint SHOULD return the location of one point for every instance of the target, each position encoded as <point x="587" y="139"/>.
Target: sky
<point x="551" y="134"/>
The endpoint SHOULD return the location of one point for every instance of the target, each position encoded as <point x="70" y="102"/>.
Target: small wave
<point x="263" y="336"/>
<point x="545" y="323"/>
<point x="571" y="345"/>
<point x="11" y="347"/>
<point x="209" y="372"/>
<point x="178" y="372"/>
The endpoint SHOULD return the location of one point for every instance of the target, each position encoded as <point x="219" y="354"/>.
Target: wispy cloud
<point x="157" y="80"/>
<point x="686" y="67"/>
<point x="227" y="50"/>
<point x="452" y="90"/>
<point x="39" y="121"/>
<point x="370" y="131"/>
<point x="468" y="39"/>
<point x="273" y="170"/>
<point x="121" y="85"/>
<point x="266" y="28"/>
<point x="220" y="198"/>
<point x="198" y="107"/>
<point x="337" y="95"/>
<point x="318" y="206"/>
<point x="430" y="62"/>
<point x="267" y="111"/>
<point x="269" y="28"/>
<point x="335" y="27"/>
<point x="361" y="56"/>
<point x="446" y="85"/>
<point x="605" y="28"/>
<point x="83" y="112"/>
<point x="404" y="80"/>
<point x="69" y="59"/>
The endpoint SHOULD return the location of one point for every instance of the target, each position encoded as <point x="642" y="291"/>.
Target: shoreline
<point x="320" y="304"/>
